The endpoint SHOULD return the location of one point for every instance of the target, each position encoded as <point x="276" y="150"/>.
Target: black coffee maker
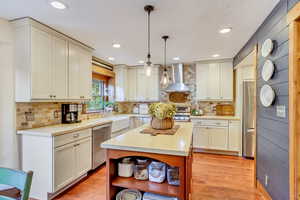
<point x="69" y="113"/>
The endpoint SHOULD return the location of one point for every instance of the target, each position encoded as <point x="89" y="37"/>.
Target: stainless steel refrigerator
<point x="248" y="119"/>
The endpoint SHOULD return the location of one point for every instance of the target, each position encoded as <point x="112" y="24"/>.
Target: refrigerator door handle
<point x="250" y="130"/>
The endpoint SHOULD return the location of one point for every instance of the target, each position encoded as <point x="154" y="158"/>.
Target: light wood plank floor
<point x="215" y="177"/>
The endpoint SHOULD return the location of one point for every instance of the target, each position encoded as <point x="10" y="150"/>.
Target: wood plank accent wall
<point x="273" y="131"/>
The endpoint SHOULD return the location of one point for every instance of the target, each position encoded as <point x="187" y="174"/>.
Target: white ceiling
<point x="191" y="24"/>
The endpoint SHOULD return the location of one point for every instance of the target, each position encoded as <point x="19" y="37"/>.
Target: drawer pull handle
<point x="76" y="136"/>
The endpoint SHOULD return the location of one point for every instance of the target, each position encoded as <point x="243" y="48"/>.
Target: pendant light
<point x="148" y="63"/>
<point x="165" y="76"/>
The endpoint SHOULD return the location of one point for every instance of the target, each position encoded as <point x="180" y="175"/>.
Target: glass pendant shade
<point x="148" y="68"/>
<point x="165" y="79"/>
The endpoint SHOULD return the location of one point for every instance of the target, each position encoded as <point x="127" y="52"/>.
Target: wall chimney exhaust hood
<point x="177" y="85"/>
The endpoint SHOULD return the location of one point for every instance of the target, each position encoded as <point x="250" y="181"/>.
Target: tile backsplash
<point x="34" y="115"/>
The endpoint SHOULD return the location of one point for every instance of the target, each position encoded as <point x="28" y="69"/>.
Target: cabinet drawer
<point x="211" y="123"/>
<point x="71" y="137"/>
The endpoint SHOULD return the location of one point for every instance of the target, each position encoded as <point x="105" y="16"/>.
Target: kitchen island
<point x="174" y="150"/>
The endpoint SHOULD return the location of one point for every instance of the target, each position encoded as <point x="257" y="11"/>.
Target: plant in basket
<point x="162" y="115"/>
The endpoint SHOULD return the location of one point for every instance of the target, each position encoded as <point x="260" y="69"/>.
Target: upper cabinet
<point x="214" y="81"/>
<point x="132" y="84"/>
<point x="80" y="72"/>
<point x="50" y="66"/>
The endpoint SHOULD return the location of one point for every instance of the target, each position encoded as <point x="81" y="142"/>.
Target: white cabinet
<point x="57" y="161"/>
<point x="132" y="84"/>
<point x="142" y="85"/>
<point x="234" y="136"/>
<point x="201" y="137"/>
<point x="226" y="81"/>
<point x="214" y="81"/>
<point x="218" y="138"/>
<point x="73" y="158"/>
<point x="202" y="82"/>
<point x="121" y="82"/>
<point x="80" y="73"/>
<point x="152" y="87"/>
<point x="50" y="66"/>
<point x="41" y="78"/>
<point x="64" y="162"/>
<point x="216" y="134"/>
<point x="83" y="160"/>
<point x="59" y="68"/>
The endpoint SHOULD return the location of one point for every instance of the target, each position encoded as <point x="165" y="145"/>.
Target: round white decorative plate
<point x="129" y="194"/>
<point x="267" y="47"/>
<point x="267" y="95"/>
<point x="267" y="70"/>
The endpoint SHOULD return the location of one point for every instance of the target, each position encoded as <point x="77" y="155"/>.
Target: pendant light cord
<point x="165" y="54"/>
<point x="149" y="55"/>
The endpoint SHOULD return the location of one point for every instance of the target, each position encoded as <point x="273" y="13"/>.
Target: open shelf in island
<point x="147" y="186"/>
<point x="116" y="183"/>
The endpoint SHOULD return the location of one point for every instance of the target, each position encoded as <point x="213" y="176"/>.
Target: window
<point x="97" y="102"/>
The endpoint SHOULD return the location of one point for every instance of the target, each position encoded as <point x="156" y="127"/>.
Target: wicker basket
<point x="162" y="124"/>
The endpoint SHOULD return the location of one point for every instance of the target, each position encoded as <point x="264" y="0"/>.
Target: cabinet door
<point x="80" y="72"/>
<point x="202" y="75"/>
<point x="218" y="138"/>
<point x="142" y="83"/>
<point x="214" y="81"/>
<point x="74" y="71"/>
<point x="234" y="136"/>
<point x="121" y="83"/>
<point x="83" y="152"/>
<point x="64" y="165"/>
<point x="200" y="137"/>
<point x="131" y="80"/>
<point x="40" y="64"/>
<point x="152" y="88"/>
<point x="226" y="81"/>
<point x="85" y="69"/>
<point x="59" y="68"/>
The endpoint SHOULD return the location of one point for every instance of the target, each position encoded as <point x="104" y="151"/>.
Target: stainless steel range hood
<point x="177" y="85"/>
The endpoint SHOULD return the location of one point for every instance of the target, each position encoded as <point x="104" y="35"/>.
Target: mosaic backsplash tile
<point x="34" y="115"/>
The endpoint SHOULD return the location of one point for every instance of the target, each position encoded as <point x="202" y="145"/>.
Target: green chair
<point x="18" y="179"/>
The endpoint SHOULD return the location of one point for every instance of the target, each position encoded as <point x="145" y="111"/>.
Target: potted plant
<point x="162" y="115"/>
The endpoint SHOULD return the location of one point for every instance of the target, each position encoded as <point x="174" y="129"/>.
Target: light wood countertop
<point x="178" y="144"/>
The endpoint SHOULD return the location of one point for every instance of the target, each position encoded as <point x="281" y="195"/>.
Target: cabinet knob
<point x="50" y="96"/>
<point x="54" y="96"/>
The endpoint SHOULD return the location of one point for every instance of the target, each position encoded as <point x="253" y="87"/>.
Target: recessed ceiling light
<point x="58" y="4"/>
<point x="176" y="58"/>
<point x="116" y="45"/>
<point x="225" y="30"/>
<point x="141" y="61"/>
<point x="111" y="58"/>
<point x="215" y="55"/>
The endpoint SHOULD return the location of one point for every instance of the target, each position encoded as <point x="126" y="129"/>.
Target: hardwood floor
<point x="215" y="177"/>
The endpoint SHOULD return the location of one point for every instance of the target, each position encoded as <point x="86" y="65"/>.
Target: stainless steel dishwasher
<point x="100" y="134"/>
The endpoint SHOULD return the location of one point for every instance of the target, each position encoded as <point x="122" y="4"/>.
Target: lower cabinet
<point x="72" y="161"/>
<point x="201" y="137"/>
<point x="217" y="135"/>
<point x="64" y="162"/>
<point x="218" y="138"/>
<point x="57" y="161"/>
<point x="234" y="143"/>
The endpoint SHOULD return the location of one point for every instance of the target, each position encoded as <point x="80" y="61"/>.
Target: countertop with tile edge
<point x="215" y="117"/>
<point x="60" y="129"/>
<point x="178" y="144"/>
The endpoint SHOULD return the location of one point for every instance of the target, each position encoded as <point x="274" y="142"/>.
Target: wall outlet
<point x="280" y="111"/>
<point x="55" y="114"/>
<point x="266" y="180"/>
<point x="29" y="116"/>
